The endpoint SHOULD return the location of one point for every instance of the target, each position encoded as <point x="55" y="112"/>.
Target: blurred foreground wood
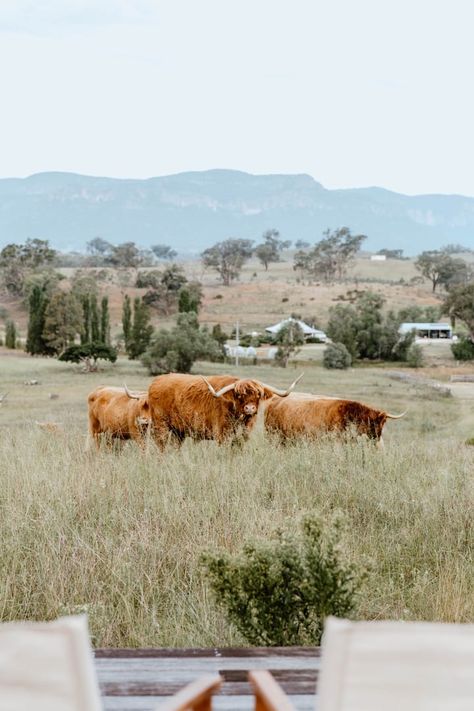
<point x="141" y="679"/>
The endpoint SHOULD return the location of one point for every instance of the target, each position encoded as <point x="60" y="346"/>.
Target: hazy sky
<point x="354" y="92"/>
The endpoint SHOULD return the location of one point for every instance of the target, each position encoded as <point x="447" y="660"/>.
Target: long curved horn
<point x="134" y="396"/>
<point x="396" y="417"/>
<point x="282" y="393"/>
<point x="220" y="392"/>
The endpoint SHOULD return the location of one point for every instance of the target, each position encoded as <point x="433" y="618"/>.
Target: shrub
<point x="401" y="349"/>
<point x="176" y="350"/>
<point x="88" y="354"/>
<point x="219" y="335"/>
<point x="277" y="593"/>
<point x="337" y="356"/>
<point x="190" y="298"/>
<point x="148" y="280"/>
<point x="415" y="356"/>
<point x="248" y="340"/>
<point x="365" y="330"/>
<point x="463" y="349"/>
<point x="288" y="339"/>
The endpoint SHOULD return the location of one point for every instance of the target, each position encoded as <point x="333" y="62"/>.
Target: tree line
<point x="59" y="317"/>
<point x="328" y="260"/>
<point x="73" y="324"/>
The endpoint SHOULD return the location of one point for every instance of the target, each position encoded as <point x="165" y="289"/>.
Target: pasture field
<point x="120" y="533"/>
<point x="261" y="298"/>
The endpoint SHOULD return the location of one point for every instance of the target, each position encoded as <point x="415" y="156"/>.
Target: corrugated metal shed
<point x="425" y="326"/>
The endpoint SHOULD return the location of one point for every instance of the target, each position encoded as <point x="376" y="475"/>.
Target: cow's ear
<point x="267" y="393"/>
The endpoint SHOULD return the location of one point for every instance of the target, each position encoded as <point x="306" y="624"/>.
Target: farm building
<point x="428" y="330"/>
<point x="308" y="331"/>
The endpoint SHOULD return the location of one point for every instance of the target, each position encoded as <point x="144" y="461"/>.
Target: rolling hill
<point x="193" y="210"/>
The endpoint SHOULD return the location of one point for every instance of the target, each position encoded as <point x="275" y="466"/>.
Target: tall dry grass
<point x="121" y="534"/>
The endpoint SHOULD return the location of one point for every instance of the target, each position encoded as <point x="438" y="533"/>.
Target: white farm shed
<point x="308" y="331"/>
<point x="428" y="329"/>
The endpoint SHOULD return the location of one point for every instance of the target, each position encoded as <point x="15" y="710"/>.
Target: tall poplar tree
<point x="141" y="329"/>
<point x="37" y="303"/>
<point x="10" y="334"/>
<point x="127" y="321"/>
<point x="86" y="311"/>
<point x="105" y="321"/>
<point x="95" y="329"/>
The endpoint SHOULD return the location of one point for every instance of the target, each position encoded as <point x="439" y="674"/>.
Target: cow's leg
<point x="94" y="433"/>
<point x="380" y="443"/>
<point x="138" y="428"/>
<point x="142" y="432"/>
<point x="161" y="434"/>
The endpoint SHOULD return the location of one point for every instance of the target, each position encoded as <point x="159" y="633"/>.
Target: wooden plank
<point x="137" y="679"/>
<point x="280" y="675"/>
<point x="168" y="688"/>
<point x="220" y="703"/>
<point x="169" y="667"/>
<point x="193" y="652"/>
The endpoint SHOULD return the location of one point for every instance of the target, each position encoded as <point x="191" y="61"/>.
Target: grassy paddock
<point x="120" y="534"/>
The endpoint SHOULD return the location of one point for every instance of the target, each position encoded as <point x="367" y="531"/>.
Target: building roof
<point x="424" y="326"/>
<point x="307" y="330"/>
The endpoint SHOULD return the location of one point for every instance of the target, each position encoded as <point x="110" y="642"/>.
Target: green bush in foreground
<point x="278" y="593"/>
<point x="337" y="356"/>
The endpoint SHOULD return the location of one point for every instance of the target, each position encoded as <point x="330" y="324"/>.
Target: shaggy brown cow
<point x="220" y="407"/>
<point x="118" y="414"/>
<point x="306" y="416"/>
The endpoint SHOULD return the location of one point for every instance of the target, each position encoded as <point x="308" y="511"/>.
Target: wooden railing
<point x="152" y="676"/>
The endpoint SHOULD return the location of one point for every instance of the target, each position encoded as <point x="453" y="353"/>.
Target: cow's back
<point x="308" y="416"/>
<point x="184" y="404"/>
<point x="296" y="415"/>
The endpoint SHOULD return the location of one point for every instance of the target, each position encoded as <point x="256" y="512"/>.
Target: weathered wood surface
<point x="137" y="679"/>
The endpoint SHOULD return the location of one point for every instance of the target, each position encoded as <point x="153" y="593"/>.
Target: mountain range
<point x="193" y="210"/>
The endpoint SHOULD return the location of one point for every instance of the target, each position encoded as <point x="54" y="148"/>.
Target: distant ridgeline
<point x="191" y="211"/>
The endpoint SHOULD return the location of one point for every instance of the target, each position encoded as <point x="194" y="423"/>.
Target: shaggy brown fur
<point x="296" y="417"/>
<point x="114" y="414"/>
<point x="182" y="406"/>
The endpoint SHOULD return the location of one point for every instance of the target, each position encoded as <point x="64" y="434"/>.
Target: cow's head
<point x="244" y="395"/>
<point x="375" y="425"/>
<point x="376" y="422"/>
